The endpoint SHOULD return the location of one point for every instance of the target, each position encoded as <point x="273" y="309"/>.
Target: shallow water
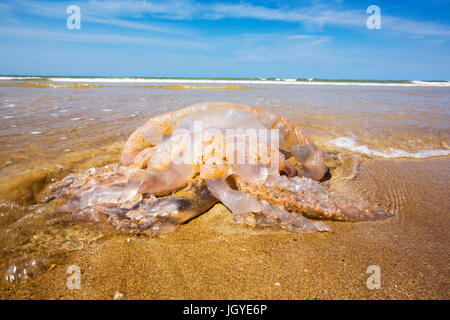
<point x="47" y="133"/>
<point x="34" y="121"/>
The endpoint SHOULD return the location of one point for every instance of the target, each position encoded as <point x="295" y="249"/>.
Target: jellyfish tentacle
<point x="248" y="210"/>
<point x="150" y="215"/>
<point x="357" y="210"/>
<point x="309" y="198"/>
<point x="277" y="216"/>
<point x="238" y="202"/>
<point x="295" y="141"/>
<point x="162" y="215"/>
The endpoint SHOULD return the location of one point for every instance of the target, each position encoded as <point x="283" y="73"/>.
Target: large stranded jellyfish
<point x="219" y="152"/>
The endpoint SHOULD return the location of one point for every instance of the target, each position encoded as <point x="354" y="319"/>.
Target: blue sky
<point x="187" y="38"/>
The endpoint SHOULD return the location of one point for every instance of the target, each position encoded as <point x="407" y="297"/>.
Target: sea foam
<point x="352" y="145"/>
<point x="290" y="81"/>
<point x="287" y="81"/>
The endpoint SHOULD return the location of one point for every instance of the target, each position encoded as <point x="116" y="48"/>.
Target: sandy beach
<point x="212" y="257"/>
<point x="379" y="143"/>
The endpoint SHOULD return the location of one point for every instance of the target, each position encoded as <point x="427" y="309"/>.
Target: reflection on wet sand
<point x="51" y="85"/>
<point x="194" y="87"/>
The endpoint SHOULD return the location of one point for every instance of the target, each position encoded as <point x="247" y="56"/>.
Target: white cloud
<point x="130" y="14"/>
<point x="75" y="36"/>
<point x="300" y="36"/>
<point x="107" y="13"/>
<point x="316" y="15"/>
<point x="421" y="28"/>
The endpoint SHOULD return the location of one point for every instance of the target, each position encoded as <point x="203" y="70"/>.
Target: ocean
<point x="390" y="120"/>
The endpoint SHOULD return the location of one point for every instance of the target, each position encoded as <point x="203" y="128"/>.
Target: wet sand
<point x="194" y="87"/>
<point x="51" y="85"/>
<point x="211" y="257"/>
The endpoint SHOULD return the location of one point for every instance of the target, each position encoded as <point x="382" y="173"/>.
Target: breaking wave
<point x="352" y="145"/>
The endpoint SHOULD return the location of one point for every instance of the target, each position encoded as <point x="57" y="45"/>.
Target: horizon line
<point x="270" y="78"/>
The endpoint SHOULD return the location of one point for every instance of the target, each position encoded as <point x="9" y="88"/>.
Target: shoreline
<point x="272" y="81"/>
